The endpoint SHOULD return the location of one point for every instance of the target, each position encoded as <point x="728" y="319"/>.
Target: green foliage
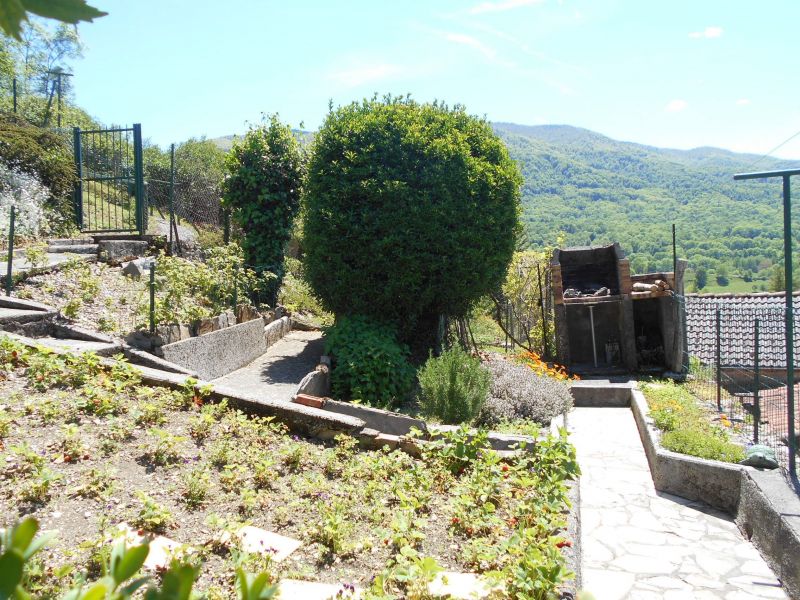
<point x="296" y="295"/>
<point x="122" y="576"/>
<point x="44" y="154"/>
<point x="700" y="278"/>
<point x="410" y="212"/>
<point x="14" y="13"/>
<point x="266" y="170"/>
<point x="369" y="364"/>
<point x="595" y="190"/>
<point x="187" y="290"/>
<point x="454" y="386"/>
<point x="686" y="426"/>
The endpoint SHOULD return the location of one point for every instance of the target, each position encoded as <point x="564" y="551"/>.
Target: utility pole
<point x="59" y="74"/>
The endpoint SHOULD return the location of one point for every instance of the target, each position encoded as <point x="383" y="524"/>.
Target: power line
<point x="778" y="147"/>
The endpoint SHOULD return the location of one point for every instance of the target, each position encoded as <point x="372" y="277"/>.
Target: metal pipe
<point x="718" y="376"/>
<point x="594" y="343"/>
<point x="9" y="279"/>
<point x="756" y="387"/>
<point x="788" y="277"/>
<point x="153" y="297"/>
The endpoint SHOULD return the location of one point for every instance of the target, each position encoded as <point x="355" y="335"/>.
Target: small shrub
<point x="152" y="516"/>
<point x="686" y="425"/>
<point x="518" y="393"/>
<point x="454" y="386"/>
<point x="711" y="445"/>
<point x="370" y="365"/>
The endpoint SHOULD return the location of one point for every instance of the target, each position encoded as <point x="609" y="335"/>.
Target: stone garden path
<point x="641" y="544"/>
<point x="276" y="374"/>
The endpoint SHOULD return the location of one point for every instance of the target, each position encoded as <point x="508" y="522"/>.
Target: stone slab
<point x="464" y="586"/>
<point x="116" y="251"/>
<point x="22" y="304"/>
<point x="16" y="315"/>
<point x="146" y="359"/>
<point x="375" y="418"/>
<point x="293" y="589"/>
<point x="316" y="383"/>
<point x="260" y="541"/>
<point x="219" y="352"/>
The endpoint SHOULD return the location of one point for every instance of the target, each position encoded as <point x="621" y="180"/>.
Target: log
<point x="645" y="287"/>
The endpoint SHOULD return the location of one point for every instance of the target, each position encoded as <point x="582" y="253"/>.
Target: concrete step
<point x="73" y="249"/>
<point x="69" y="241"/>
<point x="78" y="346"/>
<point x="17" y="315"/>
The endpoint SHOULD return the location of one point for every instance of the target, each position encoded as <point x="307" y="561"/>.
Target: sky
<point x="678" y="73"/>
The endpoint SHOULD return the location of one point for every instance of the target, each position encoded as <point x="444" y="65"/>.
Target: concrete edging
<point x="762" y="502"/>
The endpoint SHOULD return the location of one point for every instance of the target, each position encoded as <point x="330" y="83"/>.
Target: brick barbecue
<point x="608" y="319"/>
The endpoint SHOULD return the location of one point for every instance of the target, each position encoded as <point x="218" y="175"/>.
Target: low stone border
<point x="764" y="505"/>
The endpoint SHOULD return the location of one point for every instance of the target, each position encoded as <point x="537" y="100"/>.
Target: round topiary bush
<point x="369" y="364"/>
<point x="411" y="212"/>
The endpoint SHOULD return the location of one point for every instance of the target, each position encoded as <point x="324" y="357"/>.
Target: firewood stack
<point x="658" y="287"/>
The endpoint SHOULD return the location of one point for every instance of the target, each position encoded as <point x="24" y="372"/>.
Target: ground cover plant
<point x="527" y="389"/>
<point x="687" y="426"/>
<point x="86" y="447"/>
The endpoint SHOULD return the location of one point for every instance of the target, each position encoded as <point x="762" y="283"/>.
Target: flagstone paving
<point x="641" y="544"/>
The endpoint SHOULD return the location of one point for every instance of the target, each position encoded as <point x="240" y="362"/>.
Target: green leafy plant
<point x="152" y="516"/>
<point x="369" y="364"/>
<point x="410" y="212"/>
<point x="195" y="487"/>
<point x="265" y="175"/>
<point x="36" y="254"/>
<point x="453" y="386"/>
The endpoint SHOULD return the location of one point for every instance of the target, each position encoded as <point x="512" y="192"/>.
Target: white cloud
<point x="360" y="75"/>
<point x="486" y="7"/>
<point x="468" y="40"/>
<point x="708" y="33"/>
<point x="742" y="102"/>
<point x="676" y="106"/>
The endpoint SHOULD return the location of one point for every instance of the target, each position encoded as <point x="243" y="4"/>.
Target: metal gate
<point x="110" y="194"/>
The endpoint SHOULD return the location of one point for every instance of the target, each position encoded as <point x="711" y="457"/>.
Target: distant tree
<point x="265" y="175"/>
<point x="722" y="275"/>
<point x="700" y="278"/>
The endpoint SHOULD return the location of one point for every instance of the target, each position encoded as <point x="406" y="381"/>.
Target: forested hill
<point x="597" y="190"/>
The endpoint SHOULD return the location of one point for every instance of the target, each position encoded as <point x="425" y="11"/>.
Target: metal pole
<point x="171" y="193"/>
<point x="141" y="211"/>
<point x="153" y="297"/>
<point x="674" y="259"/>
<point x="756" y="388"/>
<point x="59" y="101"/>
<point x="10" y="250"/>
<point x="76" y="144"/>
<point x="787" y="265"/>
<point x="718" y="376"/>
<point x="594" y="344"/>
<point x="544" y="312"/>
<point x="14" y="86"/>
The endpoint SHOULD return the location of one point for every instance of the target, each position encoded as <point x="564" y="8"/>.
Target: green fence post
<point x="15" y="94"/>
<point x="77" y="151"/>
<point x="138" y="173"/>
<point x="719" y="368"/>
<point x="756" y="386"/>
<point x="9" y="279"/>
<point x="153" y="297"/>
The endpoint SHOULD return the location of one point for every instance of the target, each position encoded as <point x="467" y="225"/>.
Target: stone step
<point x="69" y="241"/>
<point x="16" y="315"/>
<point x="73" y="249"/>
<point x="79" y="346"/>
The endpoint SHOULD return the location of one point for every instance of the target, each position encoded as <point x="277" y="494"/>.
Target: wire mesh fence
<point x="185" y="201"/>
<point x="737" y="364"/>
